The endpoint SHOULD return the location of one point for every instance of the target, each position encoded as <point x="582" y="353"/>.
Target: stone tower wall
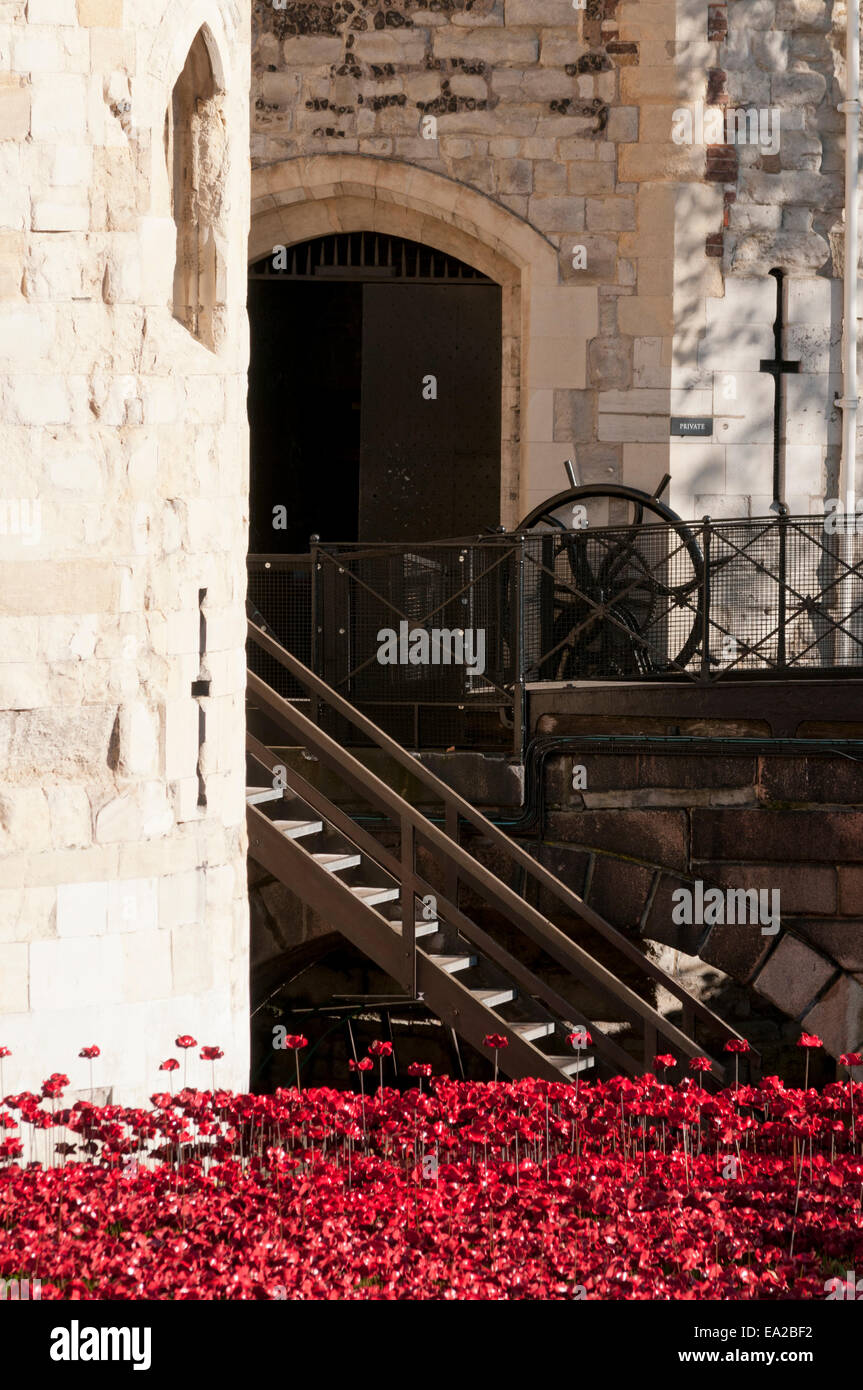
<point x="123" y="486"/>
<point x="563" y="117"/>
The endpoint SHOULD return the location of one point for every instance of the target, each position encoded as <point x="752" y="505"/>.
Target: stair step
<point x="571" y="1065"/>
<point x="256" y="796"/>
<point x="529" y="1031"/>
<point x="492" y="997"/>
<point x="421" y="928"/>
<point x="452" y="964"/>
<point x="296" y="829"/>
<point x="334" y="863"/>
<point x="372" y="895"/>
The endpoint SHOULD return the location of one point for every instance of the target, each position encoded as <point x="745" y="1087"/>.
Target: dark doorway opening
<point x="374" y="394"/>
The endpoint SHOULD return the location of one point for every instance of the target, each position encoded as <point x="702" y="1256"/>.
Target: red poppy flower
<point x="211" y="1054"/>
<point x="364" y="1064"/>
<point x="90" y="1052"/>
<point x="419" y="1069"/>
<point x="171" y="1064"/>
<point x="665" y="1060"/>
<point x="809" y="1040"/>
<point x="495" y="1041"/>
<point x="185" y="1040"/>
<point x="580" y="1038"/>
<point x="5" y="1052"/>
<point x="700" y="1064"/>
<point x="737" y="1045"/>
<point x="296" y="1042"/>
<point x="381" y="1049"/>
<point x="54" y="1086"/>
<point x="851" y="1059"/>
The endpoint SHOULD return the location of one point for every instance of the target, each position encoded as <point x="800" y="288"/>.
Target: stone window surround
<point x="304" y="197"/>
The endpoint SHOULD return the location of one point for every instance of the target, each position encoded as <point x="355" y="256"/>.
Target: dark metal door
<point x="430" y="451"/>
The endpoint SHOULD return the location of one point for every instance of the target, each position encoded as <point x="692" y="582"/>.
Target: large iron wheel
<point x="627" y="600"/>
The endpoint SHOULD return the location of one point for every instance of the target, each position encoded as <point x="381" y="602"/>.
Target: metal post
<point x="408" y="904"/>
<point x="315" y="653"/>
<point x="452" y="875"/>
<point x="705" y="603"/>
<point x="783" y="590"/>
<point x="518" y="684"/>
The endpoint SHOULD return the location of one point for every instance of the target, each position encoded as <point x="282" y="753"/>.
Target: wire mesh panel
<point x="784" y="595"/>
<point x="434" y="642"/>
<point x="408" y="629"/>
<point x="611" y="603"/>
<point x="279" y="598"/>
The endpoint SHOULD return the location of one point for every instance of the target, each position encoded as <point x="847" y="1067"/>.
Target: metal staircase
<point x="382" y="902"/>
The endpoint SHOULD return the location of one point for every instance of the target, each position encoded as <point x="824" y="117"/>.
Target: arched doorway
<point x="374" y="393"/>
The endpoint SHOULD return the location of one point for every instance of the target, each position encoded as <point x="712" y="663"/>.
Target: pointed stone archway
<point x="546" y="324"/>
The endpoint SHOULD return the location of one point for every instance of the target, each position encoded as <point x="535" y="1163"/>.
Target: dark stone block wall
<point x="650" y="823"/>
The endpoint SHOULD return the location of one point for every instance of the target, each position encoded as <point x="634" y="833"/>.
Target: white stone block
<point x="181" y="739"/>
<point x="14" y="196"/>
<point x="82" y="909"/>
<point x="727" y="345"/>
<point x="693" y="402"/>
<point x="191" y="960"/>
<point x="27" y="914"/>
<point x="24" y="823"/>
<point x="748" y="468"/>
<point x="71" y="820"/>
<point x="139" y="815"/>
<point x="813" y="300"/>
<point x="722" y="506"/>
<point x="78" y="971"/>
<point x="694" y="464"/>
<point x="755" y="424"/>
<point x="813" y="417"/>
<point x="733" y="391"/>
<point x="76" y="471"/>
<point x="143" y="464"/>
<point x="181" y="898"/>
<point x="52" y="12"/>
<point x="749" y="300"/>
<point x="184" y="627"/>
<point x="158" y="237"/>
<point x="539" y="421"/>
<point x="72" y="166"/>
<point x="59" y="106"/>
<point x="36" y="400"/>
<point x="184" y="799"/>
<point x="163" y="401"/>
<point x="35" y="52"/>
<point x="14" y="992"/>
<point x="139" y="739"/>
<point x="18" y="639"/>
<point x="147" y="972"/>
<point x="805" y="470"/>
<point x="26" y="334"/>
<point x="68" y="639"/>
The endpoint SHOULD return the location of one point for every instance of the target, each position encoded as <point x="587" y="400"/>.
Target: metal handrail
<point x="538" y="927"/>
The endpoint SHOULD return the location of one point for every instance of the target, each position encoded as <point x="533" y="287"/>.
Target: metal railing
<point x="438" y="641"/>
<point x="461" y="868"/>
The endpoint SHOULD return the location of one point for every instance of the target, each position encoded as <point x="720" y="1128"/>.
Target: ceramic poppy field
<point x="628" y="1189"/>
